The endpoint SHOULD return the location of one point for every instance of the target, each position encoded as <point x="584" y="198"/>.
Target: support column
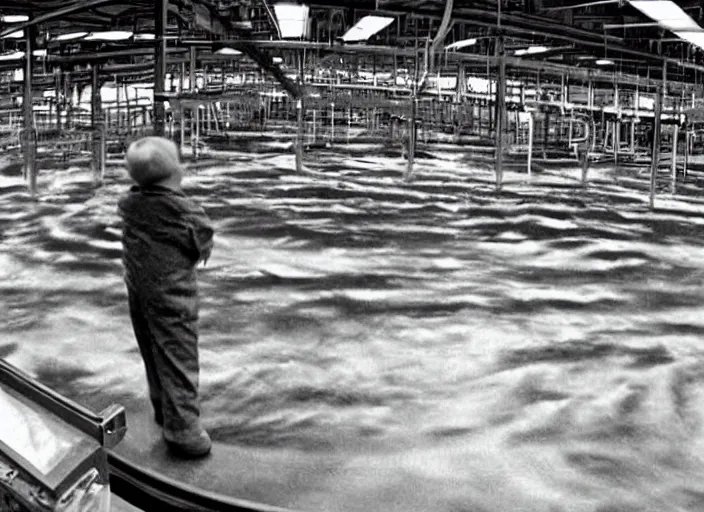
<point x="96" y="111"/>
<point x="160" y="15"/>
<point x="500" y="113"/>
<point x="30" y="134"/>
<point x="656" y="133"/>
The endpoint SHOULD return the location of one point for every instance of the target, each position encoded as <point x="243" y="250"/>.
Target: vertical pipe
<point x="686" y="151"/>
<point x="300" y="116"/>
<point x="412" y="136"/>
<point x="314" y="121"/>
<point x="196" y="140"/>
<point x="128" y="109"/>
<point x="96" y="125"/>
<point x="192" y="89"/>
<point x="117" y="103"/>
<point x="182" y="110"/>
<point x="590" y="95"/>
<point x="182" y="129"/>
<point x="673" y="164"/>
<point x="58" y="77"/>
<point x="501" y="113"/>
<point x="332" y="124"/>
<point x="633" y="136"/>
<point x="103" y="151"/>
<point x="30" y="136"/>
<point x="215" y="117"/>
<point x="160" y="19"/>
<point x="656" y="134"/>
<point x="530" y="142"/>
<point x="617" y="126"/>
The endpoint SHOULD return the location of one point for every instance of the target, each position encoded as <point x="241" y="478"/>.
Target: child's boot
<point x="193" y="443"/>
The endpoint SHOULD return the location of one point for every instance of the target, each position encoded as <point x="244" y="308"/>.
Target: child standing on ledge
<point x="165" y="235"/>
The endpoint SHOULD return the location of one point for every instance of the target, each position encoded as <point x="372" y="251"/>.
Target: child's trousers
<point x="168" y="341"/>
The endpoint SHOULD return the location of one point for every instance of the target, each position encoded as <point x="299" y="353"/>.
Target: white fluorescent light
<point x="666" y="13"/>
<point x="39" y="53"/>
<point x="532" y="50"/>
<point x="228" y="51"/>
<point x="292" y="19"/>
<point x="143" y="37"/>
<point x="277" y="60"/>
<point x="68" y="37"/>
<point x="695" y="38"/>
<point x="14" y="18"/>
<point x="367" y="27"/>
<point x="461" y="44"/>
<point x="12" y="56"/>
<point x="112" y="35"/>
<point x="604" y="62"/>
<point x="17" y="34"/>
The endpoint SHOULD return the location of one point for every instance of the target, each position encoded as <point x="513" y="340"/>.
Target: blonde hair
<point x="152" y="159"/>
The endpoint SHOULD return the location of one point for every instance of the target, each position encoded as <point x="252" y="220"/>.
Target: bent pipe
<point x="148" y="490"/>
<point x="437" y="41"/>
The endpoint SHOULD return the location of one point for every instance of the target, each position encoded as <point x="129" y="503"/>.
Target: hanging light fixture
<point x="366" y="27"/>
<point x="228" y="51"/>
<point x="533" y="50"/>
<point x="111" y="35"/>
<point x="458" y="45"/>
<point x="293" y="20"/>
<point x="14" y="18"/>
<point x="69" y="37"/>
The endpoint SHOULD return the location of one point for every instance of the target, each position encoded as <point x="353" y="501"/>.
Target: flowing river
<point x="536" y="350"/>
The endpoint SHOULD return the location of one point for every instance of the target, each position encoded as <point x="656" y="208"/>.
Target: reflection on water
<point x="538" y="350"/>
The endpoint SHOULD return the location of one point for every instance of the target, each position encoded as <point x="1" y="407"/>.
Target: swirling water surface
<point x="457" y="350"/>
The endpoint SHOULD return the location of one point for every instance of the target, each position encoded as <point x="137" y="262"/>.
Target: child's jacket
<point x="164" y="236"/>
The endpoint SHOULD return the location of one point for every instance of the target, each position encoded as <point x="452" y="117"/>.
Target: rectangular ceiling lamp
<point x="695" y="38"/>
<point x="366" y="27"/>
<point x="458" y="45"/>
<point x="292" y="19"/>
<point x="668" y="14"/>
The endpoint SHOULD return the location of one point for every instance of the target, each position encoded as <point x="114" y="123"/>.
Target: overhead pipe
<point x="581" y="73"/>
<point x="83" y="58"/>
<point x="82" y="5"/>
<point x="527" y="25"/>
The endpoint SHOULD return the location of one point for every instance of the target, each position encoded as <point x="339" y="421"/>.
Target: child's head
<point x="154" y="160"/>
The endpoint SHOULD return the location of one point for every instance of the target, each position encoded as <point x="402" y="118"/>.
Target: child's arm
<point x="202" y="234"/>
